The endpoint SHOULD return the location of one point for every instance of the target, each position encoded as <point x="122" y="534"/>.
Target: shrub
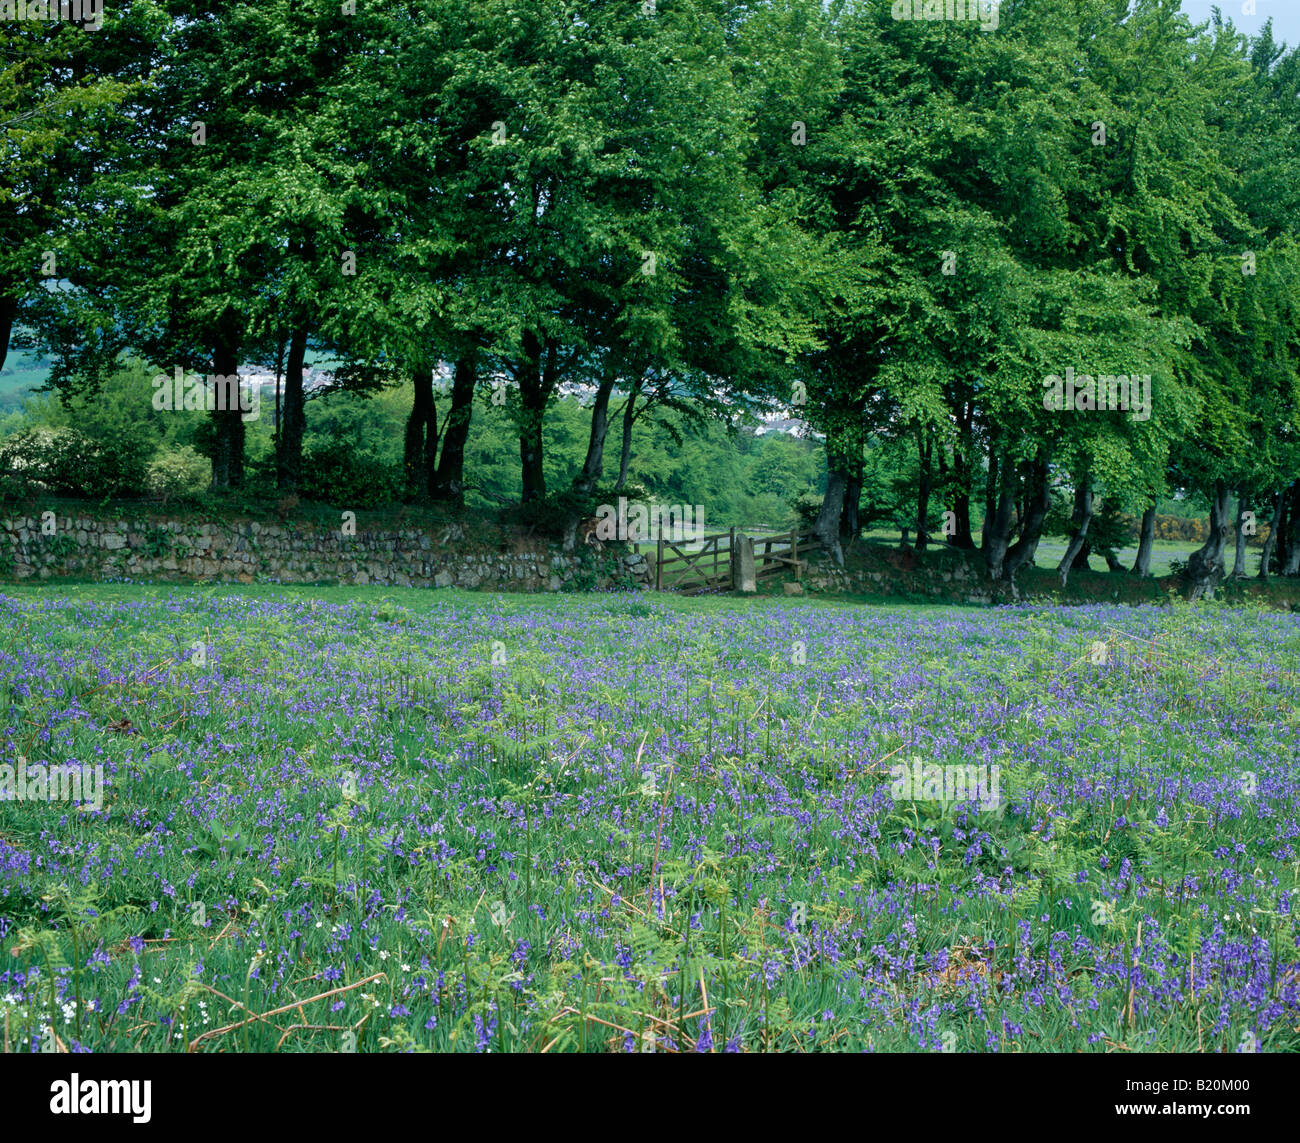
<point x="157" y="542"/>
<point x="339" y="473"/>
<point x="1109" y="530"/>
<point x="67" y="462"/>
<point x="1187" y="530"/>
<point x="551" y="515"/>
<point x="806" y="509"/>
<point x="179" y="472"/>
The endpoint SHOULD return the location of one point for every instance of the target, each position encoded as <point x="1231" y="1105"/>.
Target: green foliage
<point x="62" y="547"/>
<point x="157" y="542"/>
<point x="892" y="230"/>
<point x="67" y="462"/>
<point x="176" y="474"/>
<point x="1109" y="530"/>
<point x="337" y="472"/>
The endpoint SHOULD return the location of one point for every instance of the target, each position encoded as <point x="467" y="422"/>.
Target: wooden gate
<point x="711" y="566"/>
<point x="706" y="569"/>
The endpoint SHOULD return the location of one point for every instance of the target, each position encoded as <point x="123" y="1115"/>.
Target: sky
<point x="1285" y="15"/>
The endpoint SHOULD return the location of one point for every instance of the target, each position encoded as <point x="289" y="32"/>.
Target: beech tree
<point x="58" y="90"/>
<point x="901" y="231"/>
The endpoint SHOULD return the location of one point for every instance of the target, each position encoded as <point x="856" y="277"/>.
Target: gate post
<point x="747" y="577"/>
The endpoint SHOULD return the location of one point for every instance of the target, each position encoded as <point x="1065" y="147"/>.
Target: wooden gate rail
<point x="709" y="546"/>
<point x="710" y="568"/>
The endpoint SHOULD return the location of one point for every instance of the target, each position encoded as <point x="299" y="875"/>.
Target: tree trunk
<point x="1282" y="526"/>
<point x="1205" y="567"/>
<point x="629" y="418"/>
<point x="827" y="527"/>
<point x="8" y="311"/>
<point x="1239" y="557"/>
<point x="961" y="464"/>
<point x="429" y="459"/>
<point x="997" y="521"/>
<point x="449" y="483"/>
<point x="594" y="464"/>
<point x="421" y="436"/>
<point x="292" y="419"/>
<point x="990" y="500"/>
<point x="538" y="364"/>
<point x="228" y="450"/>
<point x="1270" y="541"/>
<point x="1081" y="519"/>
<point x="278" y="422"/>
<point x="1039" y="500"/>
<point x="279" y="389"/>
<point x="850" y="518"/>
<point x="924" y="451"/>
<point x="1146" y="541"/>
<point x="961" y="536"/>
<point x="945" y="485"/>
<point x="1290" y="560"/>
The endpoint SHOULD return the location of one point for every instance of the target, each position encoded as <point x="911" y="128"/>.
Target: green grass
<point x="1052" y="548"/>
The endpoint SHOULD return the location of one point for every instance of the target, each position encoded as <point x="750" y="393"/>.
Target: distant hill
<point x="22" y="373"/>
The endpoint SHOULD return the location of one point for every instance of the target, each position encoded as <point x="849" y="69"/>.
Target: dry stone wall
<point x="53" y="544"/>
<point x="955" y="581"/>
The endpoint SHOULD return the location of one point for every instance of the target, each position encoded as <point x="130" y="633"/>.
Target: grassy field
<point x="1051" y="548"/>
<point x="1047" y="555"/>
<point x="337" y="819"/>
